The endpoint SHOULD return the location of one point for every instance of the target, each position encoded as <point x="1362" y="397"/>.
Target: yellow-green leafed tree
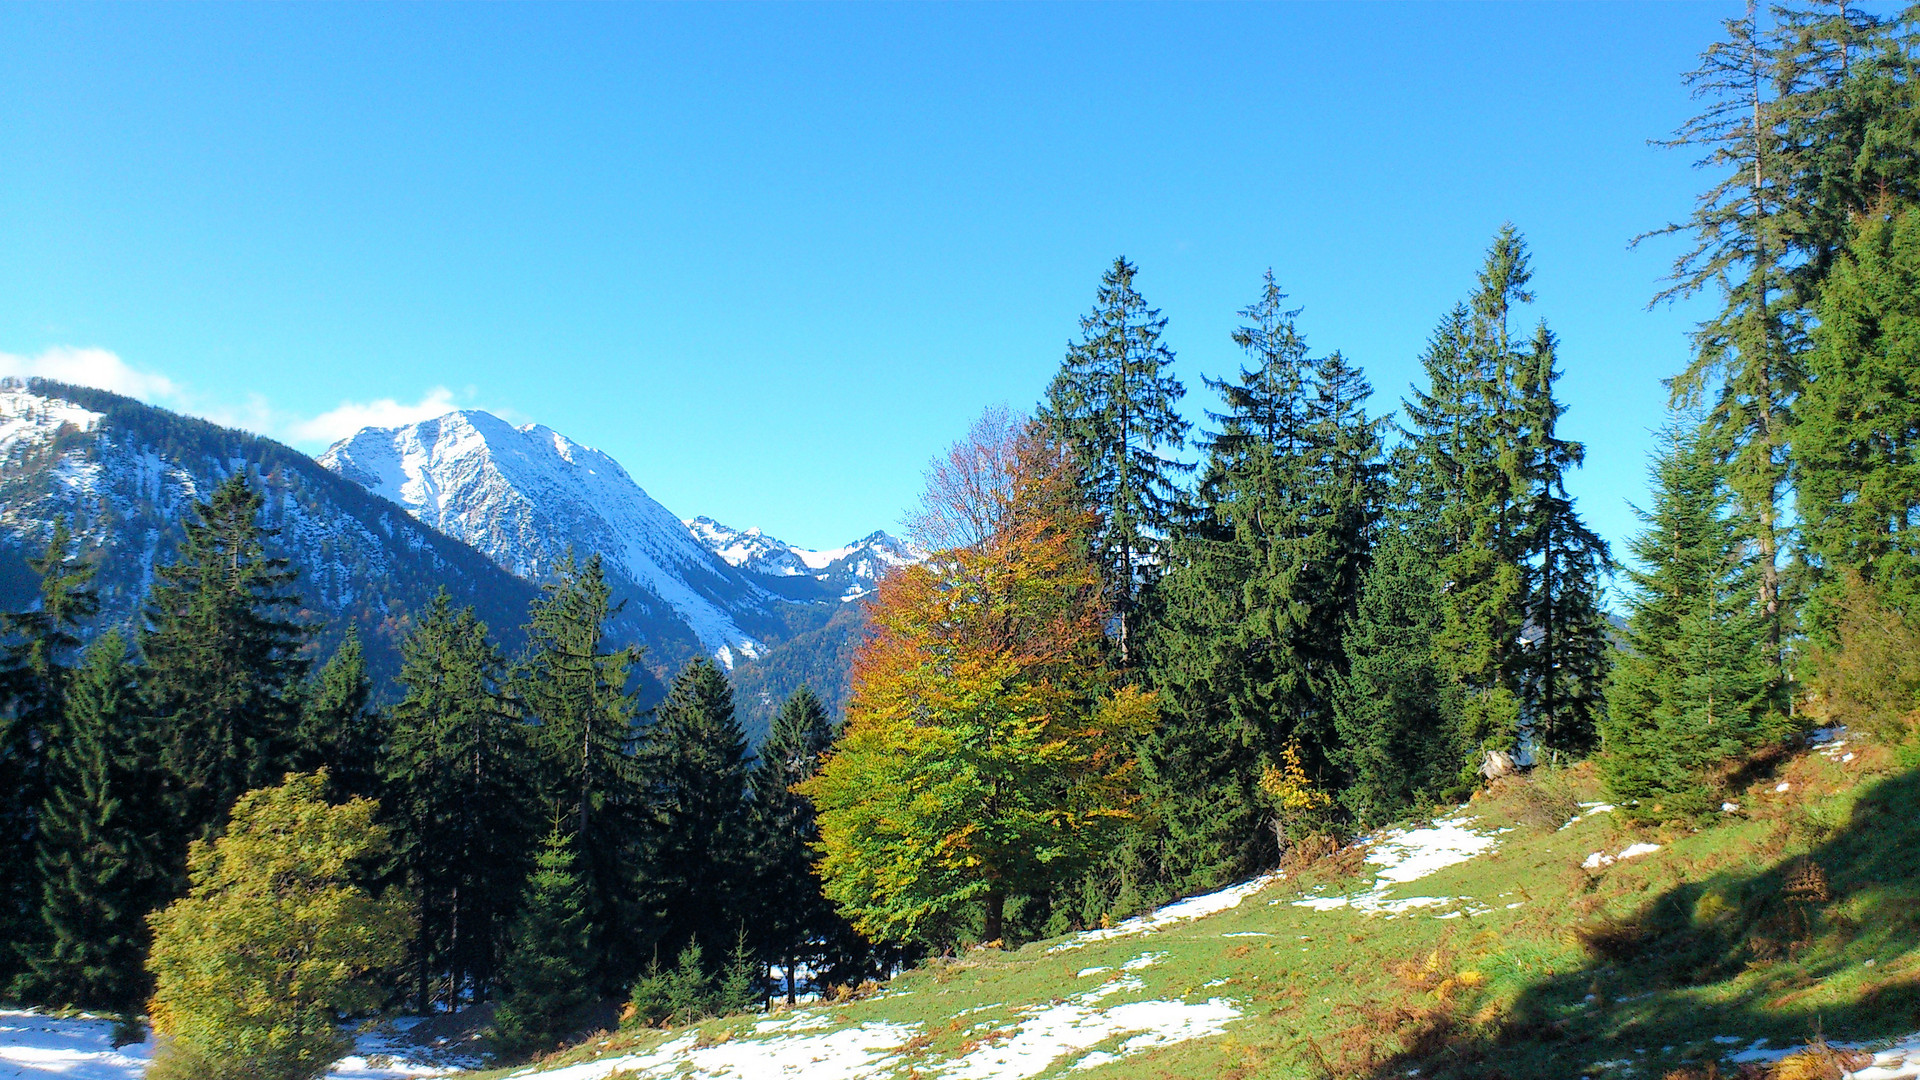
<point x="986" y="748"/>
<point x="274" y="942"/>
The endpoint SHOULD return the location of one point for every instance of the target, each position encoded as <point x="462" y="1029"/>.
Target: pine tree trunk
<point x="996" y="915"/>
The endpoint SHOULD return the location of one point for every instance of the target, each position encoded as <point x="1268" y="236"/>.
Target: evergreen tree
<point x="1857" y="468"/>
<point x="1752" y="345"/>
<point x="682" y="994"/>
<point x="1565" y="663"/>
<point x="275" y="942"/>
<point x="95" y="859"/>
<point x="223" y="662"/>
<point x="794" y="916"/>
<point x="1810" y="121"/>
<point x="1691" y="689"/>
<point x="740" y="981"/>
<point x="340" y="729"/>
<point x="456" y="774"/>
<point x="576" y="689"/>
<point x="1397" y="709"/>
<point x="547" y="954"/>
<point x="38" y="646"/>
<point x="1465" y="469"/>
<point x="1113" y="405"/>
<point x="1258" y="592"/>
<point x="693" y="830"/>
<point x="739" y="987"/>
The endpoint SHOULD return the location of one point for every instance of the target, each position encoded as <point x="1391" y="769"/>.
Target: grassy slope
<point x="1544" y="969"/>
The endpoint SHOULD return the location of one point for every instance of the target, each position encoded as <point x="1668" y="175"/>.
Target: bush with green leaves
<point x="275" y="942"/>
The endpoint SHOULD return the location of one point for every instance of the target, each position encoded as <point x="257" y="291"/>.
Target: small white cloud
<point x="350" y="416"/>
<point x="105" y="370"/>
<point x="91" y="367"/>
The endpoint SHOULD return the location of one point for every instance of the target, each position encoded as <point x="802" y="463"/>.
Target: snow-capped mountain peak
<point x="527" y="495"/>
<point x="852" y="570"/>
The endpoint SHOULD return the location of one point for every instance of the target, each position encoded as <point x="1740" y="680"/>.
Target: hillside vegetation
<point x="1789" y="919"/>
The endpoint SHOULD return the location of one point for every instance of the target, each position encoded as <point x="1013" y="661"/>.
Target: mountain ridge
<point x="126" y="474"/>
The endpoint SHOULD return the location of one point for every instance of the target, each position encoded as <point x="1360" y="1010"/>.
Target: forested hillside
<point x="1299" y="651"/>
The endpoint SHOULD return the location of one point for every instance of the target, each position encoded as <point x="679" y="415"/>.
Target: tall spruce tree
<point x="34" y="663"/>
<point x="341" y="730"/>
<point x="1858" y="442"/>
<point x="223" y="664"/>
<point x="1747" y="361"/>
<point x="459" y="802"/>
<point x="95" y="857"/>
<point x="1692" y="687"/>
<point x="1258" y="591"/>
<point x="693" y="828"/>
<point x="795" y="918"/>
<point x="1565" y="662"/>
<point x="575" y="688"/>
<point x="1113" y="405"/>
<point x="1465" y="463"/>
<point x="1809" y="121"/>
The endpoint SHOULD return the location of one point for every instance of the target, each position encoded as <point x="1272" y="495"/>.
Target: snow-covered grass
<point x="36" y="1046"/>
<point x="1407" y="855"/>
<point x="1193" y="907"/>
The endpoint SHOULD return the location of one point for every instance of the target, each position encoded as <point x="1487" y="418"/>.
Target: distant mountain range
<point x="851" y="571"/>
<point x="387" y="516"/>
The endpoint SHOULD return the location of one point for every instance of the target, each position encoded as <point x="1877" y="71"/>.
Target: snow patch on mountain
<point x="29" y="420"/>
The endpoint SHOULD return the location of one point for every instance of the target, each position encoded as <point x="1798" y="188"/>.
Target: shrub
<point x="274" y="940"/>
<point x="1547" y="800"/>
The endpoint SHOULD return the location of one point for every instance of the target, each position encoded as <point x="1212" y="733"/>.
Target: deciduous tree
<point x="985" y="748"/>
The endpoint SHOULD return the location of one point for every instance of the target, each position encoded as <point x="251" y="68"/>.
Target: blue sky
<point x="772" y="258"/>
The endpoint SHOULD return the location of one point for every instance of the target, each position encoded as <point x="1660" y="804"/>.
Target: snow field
<point x="34" y="1046"/>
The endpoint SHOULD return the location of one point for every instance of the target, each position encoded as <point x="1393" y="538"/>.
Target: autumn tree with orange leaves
<point x="986" y="750"/>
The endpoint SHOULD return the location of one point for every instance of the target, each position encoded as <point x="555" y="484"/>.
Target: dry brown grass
<point x="1614" y="940"/>
<point x="1547" y="800"/>
<point x="1818" y="1062"/>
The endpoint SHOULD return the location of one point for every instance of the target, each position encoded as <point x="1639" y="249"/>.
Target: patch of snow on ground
<point x="1901" y="1061"/>
<point x="78" y="1048"/>
<point x="34" y="1046"/>
<point x="1601" y="859"/>
<point x="1068" y="1029"/>
<point x="1587" y="810"/>
<point x="1193" y="907"/>
<point x="855" y="1052"/>
<point x="1408" y="855"/>
<point x="803" y="1021"/>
